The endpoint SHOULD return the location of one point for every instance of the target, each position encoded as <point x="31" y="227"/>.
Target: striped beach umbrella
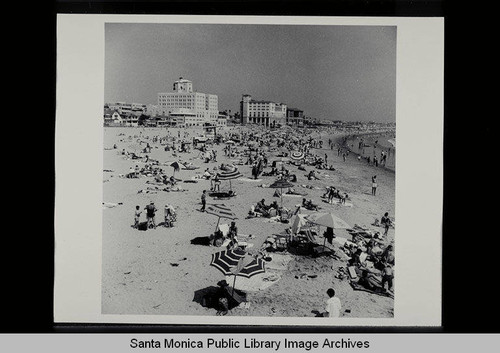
<point x="297" y="155"/>
<point x="232" y="262"/>
<point x="280" y="184"/>
<point x="227" y="260"/>
<point x="230" y="175"/>
<point x="253" y="268"/>
<point x="221" y="211"/>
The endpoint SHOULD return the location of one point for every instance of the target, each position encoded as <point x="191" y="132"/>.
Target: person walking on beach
<point x="386" y="222"/>
<point x="137" y="217"/>
<point x="203" y="200"/>
<point x="326" y="159"/>
<point x="333" y="304"/>
<point x="374" y="185"/>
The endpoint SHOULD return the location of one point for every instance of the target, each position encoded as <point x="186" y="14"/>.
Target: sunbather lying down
<point x="292" y="191"/>
<point x="220" y="194"/>
<point x="308" y="204"/>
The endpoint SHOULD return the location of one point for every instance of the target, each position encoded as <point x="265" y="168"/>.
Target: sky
<point x="330" y="72"/>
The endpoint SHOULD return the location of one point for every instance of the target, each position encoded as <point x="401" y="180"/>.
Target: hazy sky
<point x="330" y="72"/>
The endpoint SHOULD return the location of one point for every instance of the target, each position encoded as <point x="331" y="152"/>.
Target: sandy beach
<point x="159" y="271"/>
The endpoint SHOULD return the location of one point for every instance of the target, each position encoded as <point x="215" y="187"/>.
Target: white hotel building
<point x="265" y="113"/>
<point x="188" y="108"/>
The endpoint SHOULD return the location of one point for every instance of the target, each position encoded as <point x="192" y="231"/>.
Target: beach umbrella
<point x="230" y="142"/>
<point x="280" y="184"/>
<point x="177" y="166"/>
<point x="231" y="262"/>
<point x="221" y="211"/>
<point x="225" y="261"/>
<point x="230" y="175"/>
<point x="392" y="142"/>
<point x="297" y="156"/>
<point x="327" y="220"/>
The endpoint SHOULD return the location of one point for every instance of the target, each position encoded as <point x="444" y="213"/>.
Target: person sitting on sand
<point x="309" y="204"/>
<point x="222" y="301"/>
<point x="368" y="280"/>
<point x="388" y="255"/>
<point x="207" y="175"/>
<point x="312" y="175"/>
<point x="356" y="259"/>
<point x="333" y="305"/>
<point x="262" y="207"/>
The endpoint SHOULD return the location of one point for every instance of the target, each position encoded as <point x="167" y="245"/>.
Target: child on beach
<point x="137" y="216"/>
<point x="333" y="304"/>
<point x="374" y="185"/>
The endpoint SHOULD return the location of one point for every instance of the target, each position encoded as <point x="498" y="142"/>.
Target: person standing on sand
<point x="374" y="185"/>
<point x="203" y="200"/>
<point x="333" y="304"/>
<point x="137" y="217"/>
<point x="386" y="222"/>
<point x="150" y="214"/>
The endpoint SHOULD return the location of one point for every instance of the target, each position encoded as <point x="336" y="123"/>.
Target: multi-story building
<point x="128" y="108"/>
<point x="193" y="108"/>
<point x="294" y="117"/>
<point x="265" y="113"/>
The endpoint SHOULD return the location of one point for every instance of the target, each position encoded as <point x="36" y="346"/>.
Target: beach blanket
<point x="278" y="261"/>
<point x="357" y="286"/>
<point x="256" y="283"/>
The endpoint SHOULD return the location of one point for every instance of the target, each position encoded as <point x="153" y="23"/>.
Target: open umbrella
<point x="297" y="156"/>
<point x="221" y="211"/>
<point x="231" y="262"/>
<point x="280" y="184"/>
<point x="327" y="220"/>
<point x="225" y="175"/>
<point x="225" y="261"/>
<point x="177" y="166"/>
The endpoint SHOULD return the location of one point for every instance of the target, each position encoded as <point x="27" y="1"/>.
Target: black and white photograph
<point x="247" y="170"/>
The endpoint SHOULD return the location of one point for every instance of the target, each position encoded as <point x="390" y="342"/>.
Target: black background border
<point x="29" y="293"/>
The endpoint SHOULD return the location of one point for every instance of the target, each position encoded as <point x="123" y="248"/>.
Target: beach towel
<point x="278" y="261"/>
<point x="255" y="283"/>
<point x="381" y="292"/>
